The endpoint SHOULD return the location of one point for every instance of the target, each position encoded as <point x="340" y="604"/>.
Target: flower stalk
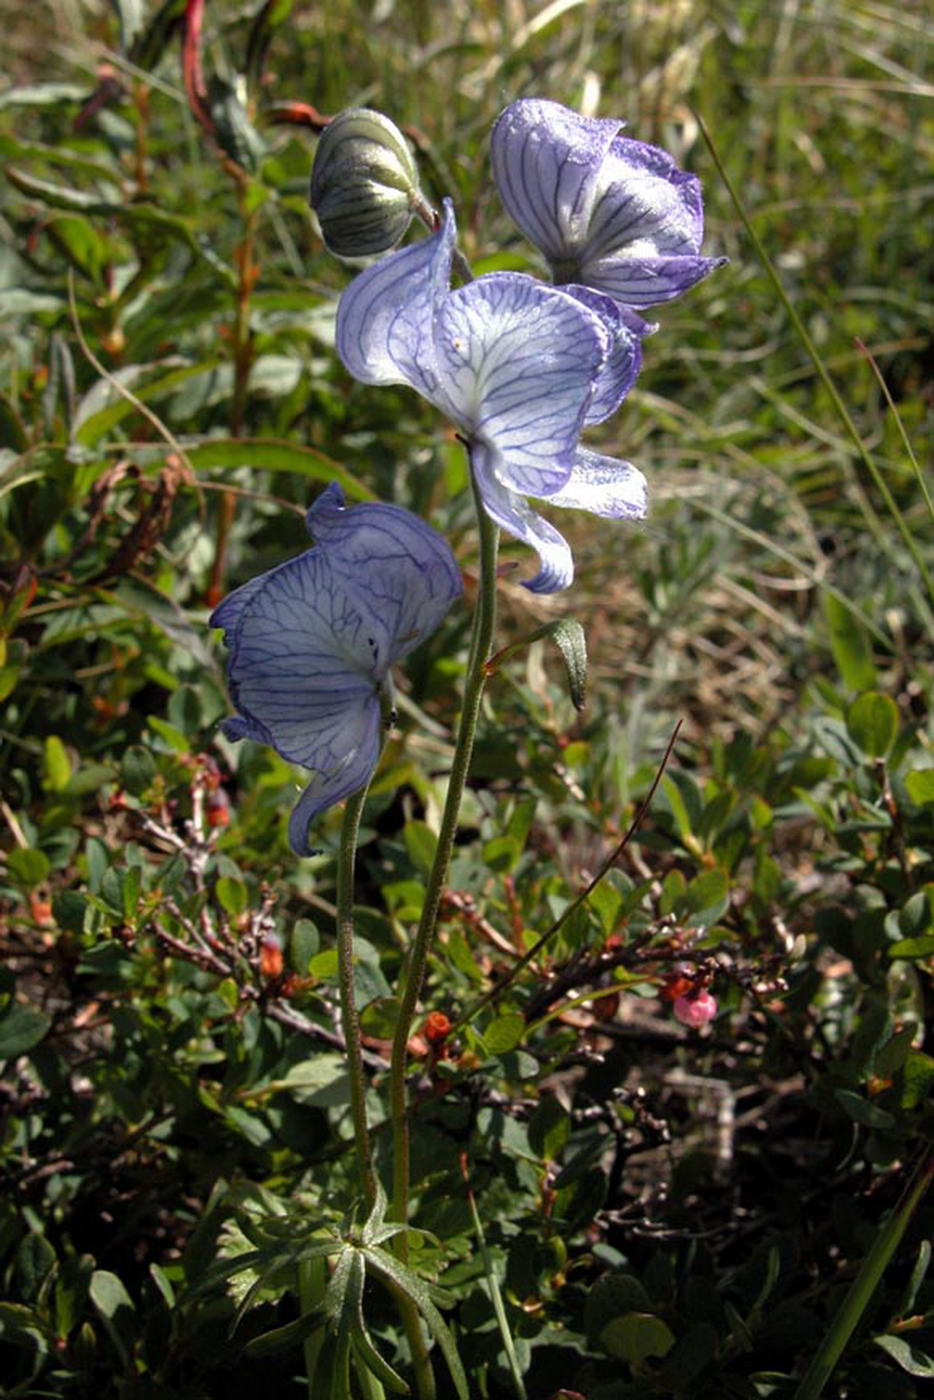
<point x="481" y="642"/>
<point x="349" y="1015"/>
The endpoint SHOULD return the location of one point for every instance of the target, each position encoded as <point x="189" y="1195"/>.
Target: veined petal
<point x="514" y="514"/>
<point x="302" y="662"/>
<point x="604" y="486"/>
<point x="399" y="572"/>
<point x="326" y="788"/>
<point x="638" y="281"/>
<point x="624" y="361"/>
<point x="643" y="203"/>
<point x="545" y="161"/>
<point x="385" y="317"/>
<point x="517" y="361"/>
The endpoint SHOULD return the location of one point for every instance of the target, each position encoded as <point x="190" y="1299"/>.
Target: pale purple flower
<point x="312" y="641"/>
<point x="519" y="366"/>
<point x="606" y="211"/>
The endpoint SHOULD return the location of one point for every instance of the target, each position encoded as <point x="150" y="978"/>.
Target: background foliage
<point x="665" y="1212"/>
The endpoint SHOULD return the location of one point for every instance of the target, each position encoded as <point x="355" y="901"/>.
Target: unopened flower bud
<point x="364" y="184"/>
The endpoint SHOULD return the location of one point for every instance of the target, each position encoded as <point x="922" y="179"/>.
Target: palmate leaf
<point x="266" y="1259"/>
<point x="343" y="1304"/>
<point x="292" y="1334"/>
<point x="376" y="1230"/>
<point x="399" y="1276"/>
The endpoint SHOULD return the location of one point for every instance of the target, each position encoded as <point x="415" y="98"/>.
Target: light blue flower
<point x="519" y="366"/>
<point x="312" y="641"/>
<point x="606" y="211"/>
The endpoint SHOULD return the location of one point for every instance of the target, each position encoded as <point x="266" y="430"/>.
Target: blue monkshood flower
<point x="606" y="211"/>
<point x="521" y="367"/>
<point x="311" y="642"/>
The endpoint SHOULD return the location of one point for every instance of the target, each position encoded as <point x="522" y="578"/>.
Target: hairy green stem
<point x="416" y="1333"/>
<point x="480" y="646"/>
<point x="349" y="1016"/>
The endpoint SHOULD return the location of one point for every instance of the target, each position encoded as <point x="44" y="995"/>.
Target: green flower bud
<point x="364" y="184"/>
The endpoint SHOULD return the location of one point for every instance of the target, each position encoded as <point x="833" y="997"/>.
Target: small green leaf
<point x="421" y="844"/>
<point x="568" y="636"/>
<point x="501" y="854"/>
<point x="892" y="1055"/>
<point x="918" y="1077"/>
<point x="176" y="741"/>
<point x="323" y="965"/>
<point x="849" y="643"/>
<point x="142" y="598"/>
<point x="922" y="947"/>
<point x="116" y="1310"/>
<point x="35" y="1259"/>
<point x="637" y="1336"/>
<point x="919" y="785"/>
<point x="706" y="898"/>
<point x="683" y="800"/>
<point x="137" y="769"/>
<point x="304" y="941"/>
<point x="867" y="1114"/>
<point x="380" y="1017"/>
<point x="911" y="1358"/>
<point x="27" y="867"/>
<point x="56" y="765"/>
<point x="611" y="1297"/>
<point x="232" y="896"/>
<point x="504" y="1033"/>
<point x="872" y="722"/>
<point x="549" y="1128"/>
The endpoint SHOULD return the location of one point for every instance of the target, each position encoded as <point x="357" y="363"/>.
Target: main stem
<point x="480" y="646"/>
<point x="349" y="1016"/>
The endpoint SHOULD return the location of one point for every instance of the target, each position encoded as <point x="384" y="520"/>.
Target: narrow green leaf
<point x="859" y="1294"/>
<point x="269" y="454"/>
<point x="420" y="843"/>
<point x="568" y="636"/>
<point x="496" y="1299"/>
<point x="116" y="1310"/>
<point x="922" y="947"/>
<point x="232" y="895"/>
<point x="292" y="1334"/>
<point x="706" y="898"/>
<point x="61" y="196"/>
<point x="867" y="1114"/>
<point x="849" y="645"/>
<point x="910" y="1358"/>
<point x="571" y="641"/>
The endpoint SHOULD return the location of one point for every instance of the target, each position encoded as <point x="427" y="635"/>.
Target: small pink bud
<point x="697" y="1010"/>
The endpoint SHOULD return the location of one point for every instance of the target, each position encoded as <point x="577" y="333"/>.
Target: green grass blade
<point x="906" y="441"/>
<point x="831" y="388"/>
<point x="859" y="1294"/>
<point x="496" y="1299"/>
